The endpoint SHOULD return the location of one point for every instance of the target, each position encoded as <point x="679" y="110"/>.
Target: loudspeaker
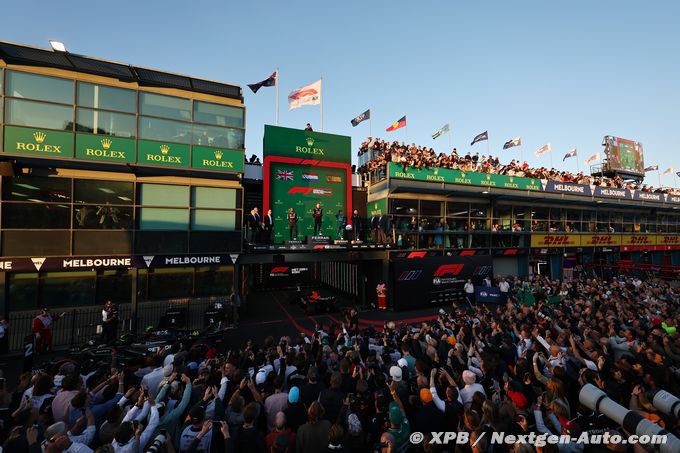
<point x="6" y="169"/>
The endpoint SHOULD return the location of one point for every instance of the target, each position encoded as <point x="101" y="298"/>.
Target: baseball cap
<point x="402" y="362"/>
<point x="395" y="373"/>
<point x="196" y="414"/>
<point x="396" y="416"/>
<point x="294" y="395"/>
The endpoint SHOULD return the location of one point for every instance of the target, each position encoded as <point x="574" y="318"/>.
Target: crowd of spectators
<point x="515" y="368"/>
<point x="418" y="157"/>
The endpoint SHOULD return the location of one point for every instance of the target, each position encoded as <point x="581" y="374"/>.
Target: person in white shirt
<point x="504" y="286"/>
<point x="153" y="379"/>
<point x="471" y="387"/>
<point x="469" y="291"/>
<point x="131" y="439"/>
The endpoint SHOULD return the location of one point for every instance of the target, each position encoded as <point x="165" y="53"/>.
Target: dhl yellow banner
<point x="555" y="240"/>
<point x="638" y="239"/>
<point x="667" y="239"/>
<point x="594" y="240"/>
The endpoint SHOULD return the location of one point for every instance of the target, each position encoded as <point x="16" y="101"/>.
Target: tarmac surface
<point x="266" y="313"/>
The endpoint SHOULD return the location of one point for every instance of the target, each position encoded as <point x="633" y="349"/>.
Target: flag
<point x="668" y="171"/>
<point x="542" y="150"/>
<point x="364" y="116"/>
<point x="480" y="137"/>
<point x="401" y="122"/>
<point x="570" y="153"/>
<point x="654" y="167"/>
<point x="285" y="175"/>
<point x="444" y="129"/>
<point x="678" y="173"/>
<point x="270" y="82"/>
<point x="517" y="141"/>
<point x="310" y="176"/>
<point x="306" y="95"/>
<point x="594" y="158"/>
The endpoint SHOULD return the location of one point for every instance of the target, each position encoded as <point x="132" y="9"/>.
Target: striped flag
<point x="444" y="129"/>
<point x="668" y="171"/>
<point x="570" y="153"/>
<point x="480" y="137"/>
<point x="543" y="150"/>
<point x="517" y="141"/>
<point x="653" y="167"/>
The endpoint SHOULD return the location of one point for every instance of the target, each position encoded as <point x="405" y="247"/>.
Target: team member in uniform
<point x="342" y="222"/>
<point x="292" y="218"/>
<point x="356" y="225"/>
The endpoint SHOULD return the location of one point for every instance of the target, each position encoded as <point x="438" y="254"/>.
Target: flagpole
<point x="450" y="147"/>
<point x="369" y="126"/>
<point x="578" y="169"/>
<point x="406" y="132"/>
<point x="277" y="96"/>
<point x="658" y="173"/>
<point x="321" y="101"/>
<point x="551" y="162"/>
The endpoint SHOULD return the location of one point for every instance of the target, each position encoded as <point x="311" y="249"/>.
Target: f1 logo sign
<point x="279" y="270"/>
<point x="409" y="276"/>
<point x="449" y="269"/>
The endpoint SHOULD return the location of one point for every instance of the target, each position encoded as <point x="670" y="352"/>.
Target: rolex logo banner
<point x="112" y="149"/>
<point x="38" y="142"/>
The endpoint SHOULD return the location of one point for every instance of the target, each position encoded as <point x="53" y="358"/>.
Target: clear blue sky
<point x="561" y="72"/>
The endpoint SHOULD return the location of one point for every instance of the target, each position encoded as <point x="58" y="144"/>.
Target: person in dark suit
<point x="268" y="227"/>
<point x="382" y="228"/>
<point x="317" y="213"/>
<point x="356" y="225"/>
<point x="292" y="219"/>
<point x="374" y="227"/>
<point x="258" y="224"/>
<point x="251" y="222"/>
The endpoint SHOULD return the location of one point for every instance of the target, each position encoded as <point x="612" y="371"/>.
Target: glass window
<point x="36" y="215"/>
<point x="171" y="283"/>
<point x="106" y="123"/>
<point x="214" y="281"/>
<point x="103" y="217"/>
<point x="105" y="97"/>
<point x="68" y="289"/>
<point x="213" y="220"/>
<point x="23" y="291"/>
<point x="219" y="137"/>
<point x="37" y="189"/>
<point x="114" y="285"/>
<point x="163" y="195"/>
<point x="102" y="242"/>
<point x="214" y="197"/>
<point x="38" y="114"/>
<point x="97" y="191"/>
<point x="164" y="130"/>
<point x="219" y="115"/>
<point x="34" y="86"/>
<point x="36" y="242"/>
<point x="163" y="219"/>
<point x="502" y="218"/>
<point x="434" y="209"/>
<point x="164" y="106"/>
<point x="403" y="207"/>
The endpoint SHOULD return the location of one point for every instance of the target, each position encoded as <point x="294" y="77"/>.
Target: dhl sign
<point x="664" y="239"/>
<point x="592" y="240"/>
<point x="638" y="239"/>
<point x="555" y="240"/>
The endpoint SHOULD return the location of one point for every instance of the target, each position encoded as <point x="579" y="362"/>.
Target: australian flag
<point x="363" y="117"/>
<point x="480" y="137"/>
<point x="270" y="82"/>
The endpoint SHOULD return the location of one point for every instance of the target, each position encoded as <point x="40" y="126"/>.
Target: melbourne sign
<point x="38" y="142"/>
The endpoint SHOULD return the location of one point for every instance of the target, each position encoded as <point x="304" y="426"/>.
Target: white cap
<point x="260" y="377"/>
<point x="402" y="362"/>
<point x="395" y="372"/>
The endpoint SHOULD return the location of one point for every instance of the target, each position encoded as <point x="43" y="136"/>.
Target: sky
<point x="560" y="72"/>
